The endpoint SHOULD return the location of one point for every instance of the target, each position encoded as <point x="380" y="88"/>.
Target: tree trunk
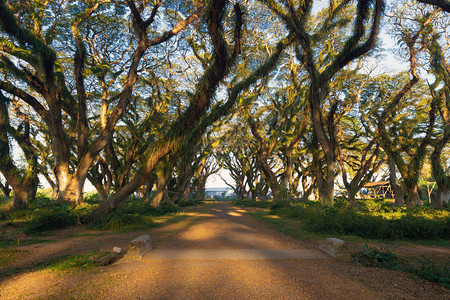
<point x="20" y="199"/>
<point x="161" y="184"/>
<point x="148" y="189"/>
<point x="276" y="195"/>
<point x="254" y="194"/>
<point x="442" y="197"/>
<point x="102" y="194"/>
<point x="326" y="192"/>
<point x="351" y="194"/>
<point x="72" y="192"/>
<point x="414" y="194"/>
<point x="6" y="190"/>
<point x="399" y="190"/>
<point x="307" y="189"/>
<point x="186" y="193"/>
<point x="288" y="170"/>
<point x="201" y="188"/>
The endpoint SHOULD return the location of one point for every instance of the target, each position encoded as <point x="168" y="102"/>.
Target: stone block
<point x="336" y="248"/>
<point x="139" y="246"/>
<point x="108" y="259"/>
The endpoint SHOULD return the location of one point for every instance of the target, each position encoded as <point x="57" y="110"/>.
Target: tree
<point x="360" y="158"/>
<point x="441" y="69"/>
<point x="23" y="182"/>
<point x="42" y="72"/>
<point x="182" y="128"/>
<point x="322" y="66"/>
<point x="236" y="154"/>
<point x="404" y="128"/>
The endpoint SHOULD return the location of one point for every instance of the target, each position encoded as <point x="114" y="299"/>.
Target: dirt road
<point x="219" y="230"/>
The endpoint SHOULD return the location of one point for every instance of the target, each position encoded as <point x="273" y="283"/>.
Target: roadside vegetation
<point x="34" y="224"/>
<point x="44" y="215"/>
<point x="376" y="221"/>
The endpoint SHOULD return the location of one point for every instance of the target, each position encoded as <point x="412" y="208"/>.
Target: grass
<point x="64" y="263"/>
<point x="290" y="227"/>
<point x="77" y="262"/>
<point x="373" y="221"/>
<point x="17" y="238"/>
<point x="419" y="267"/>
<point x="10" y="255"/>
<point x="370" y="219"/>
<point x="44" y="215"/>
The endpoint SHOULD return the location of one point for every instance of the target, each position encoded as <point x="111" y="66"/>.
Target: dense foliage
<point x="147" y="99"/>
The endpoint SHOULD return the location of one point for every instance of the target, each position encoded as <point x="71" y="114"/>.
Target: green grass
<point x="77" y="262"/>
<point x="18" y="238"/>
<point x="370" y="220"/>
<point x="135" y="214"/>
<point x="10" y="255"/>
<point x="65" y="263"/>
<point x="290" y="227"/>
<point x="419" y="267"/>
<point x="124" y="222"/>
<point x="418" y="226"/>
<point x="44" y="215"/>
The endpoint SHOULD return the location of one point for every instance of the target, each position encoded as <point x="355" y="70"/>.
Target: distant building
<point x="219" y="192"/>
<point x="380" y="189"/>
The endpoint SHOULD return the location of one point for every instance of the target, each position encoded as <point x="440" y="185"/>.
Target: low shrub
<point x="134" y="214"/>
<point x="372" y="257"/>
<point x="120" y="221"/>
<point x="17" y="215"/>
<point x="191" y="202"/>
<point x="77" y="262"/>
<point x="51" y="219"/>
<point x="409" y="224"/>
<point x="91" y="198"/>
<point x="430" y="271"/>
<point x="42" y="200"/>
<point x="420" y="267"/>
<point x="250" y="203"/>
<point x="279" y="204"/>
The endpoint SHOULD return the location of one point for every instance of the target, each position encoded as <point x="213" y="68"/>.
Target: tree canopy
<point x="155" y="96"/>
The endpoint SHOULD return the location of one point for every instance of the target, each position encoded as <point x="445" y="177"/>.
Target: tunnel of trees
<point x="293" y="98"/>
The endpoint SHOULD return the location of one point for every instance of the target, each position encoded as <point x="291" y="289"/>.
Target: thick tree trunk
<point x="307" y="189"/>
<point x="442" y="180"/>
<point x="102" y="194"/>
<point x="326" y="192"/>
<point x="442" y="197"/>
<point x="24" y="191"/>
<point x="200" y="194"/>
<point x="71" y="189"/>
<point x="276" y="195"/>
<point x="288" y="170"/>
<point x="161" y="184"/>
<point x="399" y="197"/>
<point x="351" y="194"/>
<point x="148" y="189"/>
<point x="20" y="199"/>
<point x="186" y="193"/>
<point x="254" y="194"/>
<point x="399" y="190"/>
<point x="414" y="194"/>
